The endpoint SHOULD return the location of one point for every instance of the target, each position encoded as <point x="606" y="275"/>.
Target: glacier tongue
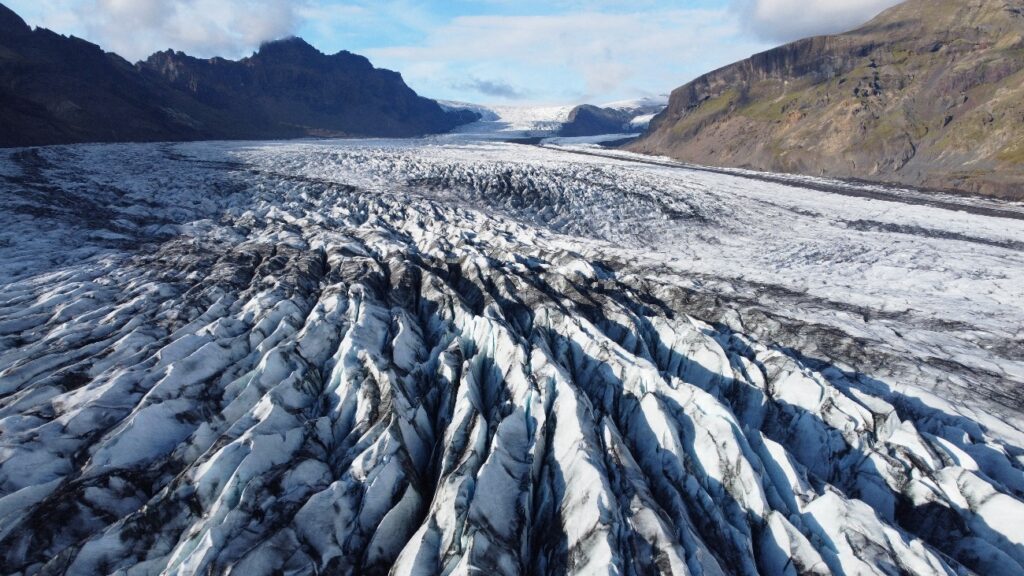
<point x="328" y="359"/>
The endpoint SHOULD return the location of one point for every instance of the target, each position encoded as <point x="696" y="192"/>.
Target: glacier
<point x="448" y="356"/>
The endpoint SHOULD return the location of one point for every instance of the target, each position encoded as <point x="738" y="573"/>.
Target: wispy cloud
<point x="494" y="88"/>
<point x="575" y="56"/>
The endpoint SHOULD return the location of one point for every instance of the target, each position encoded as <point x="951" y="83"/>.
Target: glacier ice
<point x="427" y="357"/>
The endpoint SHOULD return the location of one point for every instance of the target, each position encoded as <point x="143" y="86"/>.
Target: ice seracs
<point x="426" y="358"/>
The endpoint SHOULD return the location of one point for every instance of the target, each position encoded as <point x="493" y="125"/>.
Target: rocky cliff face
<point x="928" y="93"/>
<point x="56" y="89"/>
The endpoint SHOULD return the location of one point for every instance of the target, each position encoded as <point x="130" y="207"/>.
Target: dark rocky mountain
<point x="56" y="89"/>
<point x="289" y="88"/>
<point x="590" y="120"/>
<point x="930" y="93"/>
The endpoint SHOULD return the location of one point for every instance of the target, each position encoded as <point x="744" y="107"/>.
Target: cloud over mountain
<point x="562" y="50"/>
<point x="137" y="28"/>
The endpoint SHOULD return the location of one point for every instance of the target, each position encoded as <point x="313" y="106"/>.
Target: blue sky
<point x="487" y="51"/>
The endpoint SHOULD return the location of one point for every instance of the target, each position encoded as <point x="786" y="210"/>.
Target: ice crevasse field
<point x="448" y="356"/>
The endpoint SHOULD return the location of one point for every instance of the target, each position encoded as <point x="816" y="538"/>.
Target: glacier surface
<point x="443" y="357"/>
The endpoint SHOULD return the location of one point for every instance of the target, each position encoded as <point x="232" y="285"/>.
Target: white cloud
<point x="572" y="56"/>
<point x="785" y="20"/>
<point x="137" y="28"/>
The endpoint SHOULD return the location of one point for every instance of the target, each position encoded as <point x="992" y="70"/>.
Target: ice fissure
<point x="337" y="363"/>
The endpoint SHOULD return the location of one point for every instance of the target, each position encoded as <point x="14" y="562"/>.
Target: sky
<point x="482" y="51"/>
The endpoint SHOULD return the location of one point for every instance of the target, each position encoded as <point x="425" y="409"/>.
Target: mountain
<point x="613" y="118"/>
<point x="929" y="93"/>
<point x="56" y="89"/>
<point x="289" y="88"/>
<point x="589" y="120"/>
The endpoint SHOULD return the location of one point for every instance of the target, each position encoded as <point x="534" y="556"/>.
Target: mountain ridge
<point x="294" y="89"/>
<point x="58" y="89"/>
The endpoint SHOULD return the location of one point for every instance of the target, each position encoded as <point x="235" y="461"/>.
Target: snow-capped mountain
<point x="613" y="120"/>
<point x="626" y="116"/>
<point x="418" y="357"/>
<point x="639" y="104"/>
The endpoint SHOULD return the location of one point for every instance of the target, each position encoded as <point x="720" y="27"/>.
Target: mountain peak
<point x="11" y="23"/>
<point x="290" y="47"/>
